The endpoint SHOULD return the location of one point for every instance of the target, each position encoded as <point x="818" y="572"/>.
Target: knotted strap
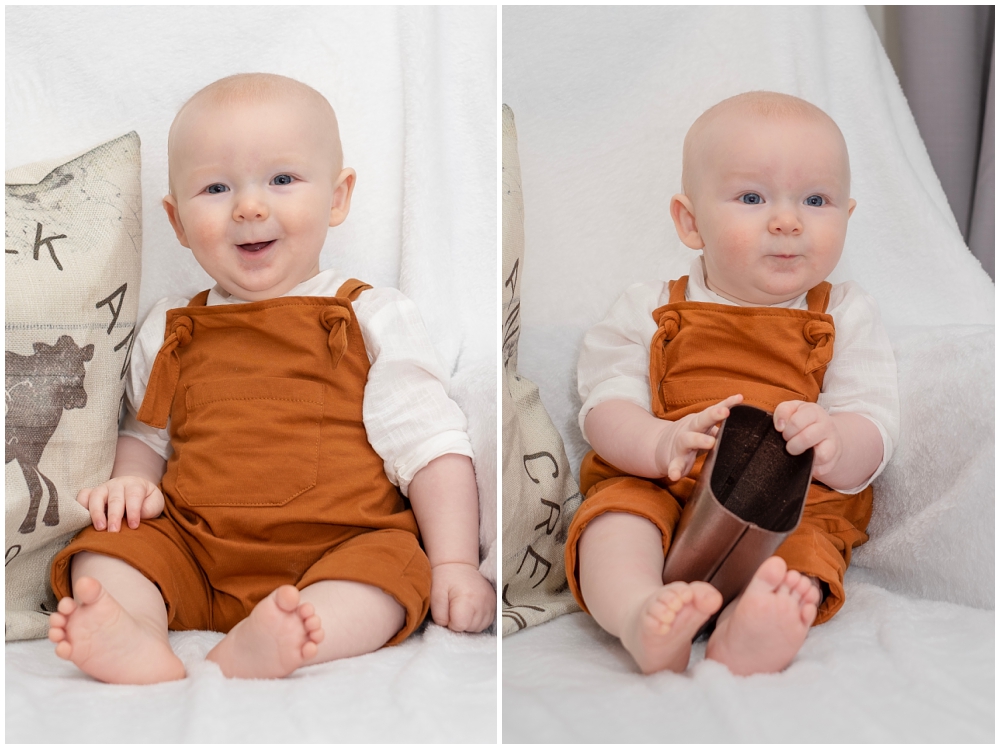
<point x="155" y="409"/>
<point x="352" y="288"/>
<point x="668" y="323"/>
<point x="820" y="334"/>
<point x="337" y="320"/>
<point x="819" y="297"/>
<point x="678" y="290"/>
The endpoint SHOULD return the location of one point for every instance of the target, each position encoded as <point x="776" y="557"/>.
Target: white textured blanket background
<point x="415" y="93"/>
<point x="602" y="98"/>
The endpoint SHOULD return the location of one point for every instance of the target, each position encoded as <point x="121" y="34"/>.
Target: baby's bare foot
<point x="766" y="626"/>
<point x="658" y="635"/>
<point x="103" y="640"/>
<point x="279" y="636"/>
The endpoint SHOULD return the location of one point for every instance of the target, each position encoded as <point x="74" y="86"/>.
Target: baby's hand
<point x="461" y="598"/>
<point x="130" y="496"/>
<point x="805" y="425"/>
<point x="679" y="446"/>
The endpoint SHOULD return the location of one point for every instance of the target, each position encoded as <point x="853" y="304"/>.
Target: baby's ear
<point x="682" y="212"/>
<point x="170" y="206"/>
<point x="342" y="191"/>
<point x="851" y="205"/>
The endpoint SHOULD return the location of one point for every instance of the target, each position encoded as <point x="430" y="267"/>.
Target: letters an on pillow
<point x="539" y="492"/>
<point x="73" y="240"/>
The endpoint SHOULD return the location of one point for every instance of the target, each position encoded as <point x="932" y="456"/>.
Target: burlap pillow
<point x="539" y="492"/>
<point x="73" y="240"/>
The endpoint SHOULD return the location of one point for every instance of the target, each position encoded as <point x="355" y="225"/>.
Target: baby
<point x="287" y="413"/>
<point x="766" y="197"/>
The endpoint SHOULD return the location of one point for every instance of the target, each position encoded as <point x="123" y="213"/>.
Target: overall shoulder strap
<point x="819" y="297"/>
<point x="351" y="288"/>
<point x="200" y="299"/>
<point x="677" y="289"/>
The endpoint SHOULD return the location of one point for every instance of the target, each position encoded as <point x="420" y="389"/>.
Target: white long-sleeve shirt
<point x="409" y="418"/>
<point x="860" y="378"/>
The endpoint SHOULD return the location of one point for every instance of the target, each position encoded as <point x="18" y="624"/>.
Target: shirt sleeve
<point x="409" y="417"/>
<point x="861" y="377"/>
<point x="144" y="349"/>
<point x="614" y="357"/>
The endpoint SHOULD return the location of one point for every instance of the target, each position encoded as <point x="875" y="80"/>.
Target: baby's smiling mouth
<point x="255" y="246"/>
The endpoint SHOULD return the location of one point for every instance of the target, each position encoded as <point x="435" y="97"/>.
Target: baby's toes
<point x="57" y="621"/>
<point x="706" y="598"/>
<point x="312" y="624"/>
<point x="306" y="610"/>
<point x="679" y="595"/>
<point x="661" y="614"/>
<point x="316" y="635"/>
<point x="57" y="634"/>
<point x="66" y="606"/>
<point x="808" y="613"/>
<point x="309" y="650"/>
<point x="64" y="650"/>
<point x="812" y="595"/>
<point x="802" y="586"/>
<point x="287" y="598"/>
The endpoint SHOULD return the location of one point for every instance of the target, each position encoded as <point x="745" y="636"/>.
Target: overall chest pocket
<point x="249" y="441"/>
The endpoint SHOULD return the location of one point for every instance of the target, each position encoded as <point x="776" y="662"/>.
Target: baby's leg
<point x="763" y="629"/>
<point x="621" y="569"/>
<point x="115" y="626"/>
<point x="325" y="621"/>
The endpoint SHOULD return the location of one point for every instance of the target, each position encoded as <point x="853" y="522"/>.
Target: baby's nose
<point x="250" y="208"/>
<point x="785" y="222"/>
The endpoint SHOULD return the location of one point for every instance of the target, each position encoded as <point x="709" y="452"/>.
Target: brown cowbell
<point x="701" y="354"/>
<point x="748" y="498"/>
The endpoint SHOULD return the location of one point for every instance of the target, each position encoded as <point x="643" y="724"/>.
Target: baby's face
<point x="254" y="187"/>
<point x="770" y="200"/>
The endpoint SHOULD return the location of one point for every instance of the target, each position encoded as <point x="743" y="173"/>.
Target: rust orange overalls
<point x="272" y="480"/>
<point x="701" y="354"/>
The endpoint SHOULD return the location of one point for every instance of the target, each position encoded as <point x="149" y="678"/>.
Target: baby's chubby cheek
<point x="732" y="248"/>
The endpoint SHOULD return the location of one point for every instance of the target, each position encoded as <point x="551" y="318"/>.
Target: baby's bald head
<point x="246" y="89"/>
<point x="718" y="121"/>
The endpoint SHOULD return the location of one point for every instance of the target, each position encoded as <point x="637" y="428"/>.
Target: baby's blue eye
<point x="752" y="198"/>
<point x="216" y="189"/>
<point x="815" y="200"/>
<point x="283" y="179"/>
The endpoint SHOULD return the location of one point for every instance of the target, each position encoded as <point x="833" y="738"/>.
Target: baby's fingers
<point x="135" y="493"/>
<point x="808" y="437"/>
<point x="83" y="498"/>
<point x="116" y="506"/>
<point x="712" y="415"/>
<point x="784" y="412"/>
<point x="439" y="605"/>
<point x="95" y="503"/>
<point x="460" y="614"/>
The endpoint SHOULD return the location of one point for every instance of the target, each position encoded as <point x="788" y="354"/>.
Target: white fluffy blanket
<point x="886" y="669"/>
<point x="435" y="687"/>
<point x="415" y="92"/>
<point x="602" y="99"/>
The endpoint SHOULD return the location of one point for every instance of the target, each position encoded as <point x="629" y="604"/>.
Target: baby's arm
<point x="446" y="504"/>
<point x="847" y="446"/>
<point x="132" y="491"/>
<point x="635" y="441"/>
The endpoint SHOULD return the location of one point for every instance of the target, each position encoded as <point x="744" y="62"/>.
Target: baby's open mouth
<point x="256" y="246"/>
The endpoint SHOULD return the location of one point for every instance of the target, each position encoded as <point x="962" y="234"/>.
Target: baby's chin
<point x="258" y="292"/>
